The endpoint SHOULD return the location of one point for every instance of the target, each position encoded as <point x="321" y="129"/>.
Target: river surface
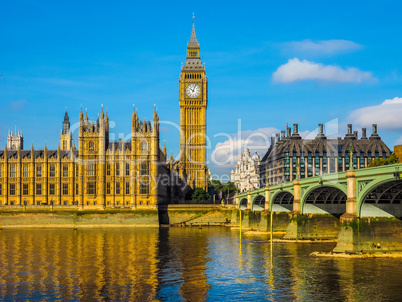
<point x="182" y="264"/>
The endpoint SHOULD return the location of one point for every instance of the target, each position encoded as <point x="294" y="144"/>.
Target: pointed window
<point x="144" y="146"/>
<point x="12" y="170"/>
<point x="25" y="171"/>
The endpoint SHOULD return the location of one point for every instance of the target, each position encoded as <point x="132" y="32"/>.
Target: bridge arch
<point x="282" y="201"/>
<point x="243" y="204"/>
<point x="328" y="198"/>
<point x="382" y="198"/>
<point x="258" y="203"/>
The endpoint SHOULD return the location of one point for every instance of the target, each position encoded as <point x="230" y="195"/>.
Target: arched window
<point x="91" y="146"/>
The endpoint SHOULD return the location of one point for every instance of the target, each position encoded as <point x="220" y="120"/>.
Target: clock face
<point x="193" y="90"/>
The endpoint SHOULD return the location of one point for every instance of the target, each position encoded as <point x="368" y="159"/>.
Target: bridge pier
<point x="249" y="200"/>
<point x="280" y="221"/>
<point x="296" y="194"/>
<point x="267" y="205"/>
<point x="370" y="235"/>
<point x="312" y="227"/>
<point x="351" y="201"/>
<point x="251" y="219"/>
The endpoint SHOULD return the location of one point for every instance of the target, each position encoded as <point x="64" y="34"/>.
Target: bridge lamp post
<point x="351" y="157"/>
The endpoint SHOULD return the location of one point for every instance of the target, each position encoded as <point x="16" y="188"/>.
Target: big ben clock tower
<point x="193" y="99"/>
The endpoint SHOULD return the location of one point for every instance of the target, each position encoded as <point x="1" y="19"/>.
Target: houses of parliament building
<point x="102" y="173"/>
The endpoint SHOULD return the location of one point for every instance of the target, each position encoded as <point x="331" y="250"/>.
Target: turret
<point x="164" y="148"/>
<point x="15" y="140"/>
<point x="66" y="124"/>
<point x="155" y="122"/>
<point x="65" y="135"/>
<point x="134" y="121"/>
<point x="86" y="119"/>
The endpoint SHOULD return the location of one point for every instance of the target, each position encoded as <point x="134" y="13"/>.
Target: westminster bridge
<point x="361" y="208"/>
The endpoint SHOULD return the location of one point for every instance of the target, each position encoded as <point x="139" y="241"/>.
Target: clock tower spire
<point x="193" y="100"/>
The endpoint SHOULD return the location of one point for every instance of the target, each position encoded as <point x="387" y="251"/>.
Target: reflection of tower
<point x="175" y="247"/>
<point x="15" y="142"/>
<point x="193" y="99"/>
<point x="65" y="135"/>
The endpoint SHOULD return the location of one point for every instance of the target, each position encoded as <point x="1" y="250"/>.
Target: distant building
<point x="247" y="174"/>
<point x="290" y="156"/>
<point x="15" y="142"/>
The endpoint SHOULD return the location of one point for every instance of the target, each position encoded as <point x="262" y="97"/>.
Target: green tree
<point x="392" y="159"/>
<point x="199" y="194"/>
<point x="222" y="187"/>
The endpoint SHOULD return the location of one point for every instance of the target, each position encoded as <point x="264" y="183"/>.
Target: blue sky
<point x="268" y="63"/>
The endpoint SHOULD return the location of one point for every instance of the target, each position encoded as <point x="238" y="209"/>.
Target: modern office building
<point x="290" y="156"/>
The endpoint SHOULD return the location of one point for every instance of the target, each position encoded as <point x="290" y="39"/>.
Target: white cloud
<point x="225" y="153"/>
<point x="296" y="70"/>
<point x="387" y="115"/>
<point x="398" y="141"/>
<point x="323" y="47"/>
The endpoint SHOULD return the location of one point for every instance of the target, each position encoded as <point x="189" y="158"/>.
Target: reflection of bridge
<point x="369" y="192"/>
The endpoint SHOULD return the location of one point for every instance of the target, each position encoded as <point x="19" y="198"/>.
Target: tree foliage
<point x="222" y="187"/>
<point x="199" y="194"/>
<point x="392" y="159"/>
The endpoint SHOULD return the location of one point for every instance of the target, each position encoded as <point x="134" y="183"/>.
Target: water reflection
<point x="182" y="264"/>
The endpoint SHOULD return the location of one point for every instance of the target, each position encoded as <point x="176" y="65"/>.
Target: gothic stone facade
<point x="193" y="100"/>
<point x="99" y="174"/>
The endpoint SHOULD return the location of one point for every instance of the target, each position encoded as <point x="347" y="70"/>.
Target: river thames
<point x="182" y="264"/>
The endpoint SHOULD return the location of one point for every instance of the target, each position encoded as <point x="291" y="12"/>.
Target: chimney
<point x="355" y="134"/>
<point x="320" y="134"/>
<point x="289" y="132"/>
<point x="283" y="135"/>
<point x="375" y="135"/>
<point x="350" y="134"/>
<point x="278" y="137"/>
<point x="364" y="131"/>
<point x="296" y="134"/>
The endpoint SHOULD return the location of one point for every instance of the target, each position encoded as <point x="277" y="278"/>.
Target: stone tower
<point x="66" y="138"/>
<point x="15" y="142"/>
<point x="193" y="99"/>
